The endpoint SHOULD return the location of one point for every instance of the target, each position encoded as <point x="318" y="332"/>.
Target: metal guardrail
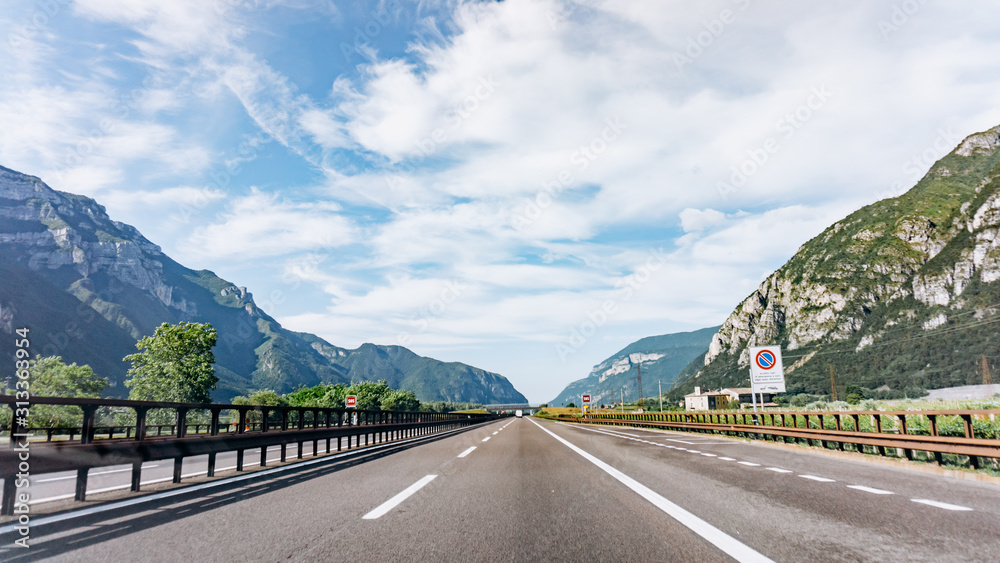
<point x="901" y="431"/>
<point x="25" y="457"/>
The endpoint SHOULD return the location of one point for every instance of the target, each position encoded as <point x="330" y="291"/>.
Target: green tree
<point x="399" y="400"/>
<point x="369" y="394"/>
<point x="175" y="364"/>
<point x="50" y="377"/>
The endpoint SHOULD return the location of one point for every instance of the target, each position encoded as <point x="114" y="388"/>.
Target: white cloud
<point x="263" y="225"/>
<point x="700" y="219"/>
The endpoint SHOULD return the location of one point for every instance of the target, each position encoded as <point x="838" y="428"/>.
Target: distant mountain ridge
<point x="88" y="287"/>
<point x="901" y="293"/>
<point x="662" y="358"/>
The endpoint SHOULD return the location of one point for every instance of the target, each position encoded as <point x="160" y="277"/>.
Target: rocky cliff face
<point x="881" y="282"/>
<point x="88" y="287"/>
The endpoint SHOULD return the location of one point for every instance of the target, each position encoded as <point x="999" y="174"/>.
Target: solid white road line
<point x="937" y="504"/>
<point x="713" y="535"/>
<point x="820" y="479"/>
<point x="92" y="474"/>
<point x="398" y="499"/>
<point x="467" y="452"/>
<point x="870" y="490"/>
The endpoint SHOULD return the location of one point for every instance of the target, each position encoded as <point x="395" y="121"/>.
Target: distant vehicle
<point x="518" y="413"/>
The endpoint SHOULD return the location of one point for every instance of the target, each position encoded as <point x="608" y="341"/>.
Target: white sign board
<point x="767" y="375"/>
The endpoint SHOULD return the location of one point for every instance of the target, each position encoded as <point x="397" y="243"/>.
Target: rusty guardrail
<point x="902" y="431"/>
<point x="25" y="457"/>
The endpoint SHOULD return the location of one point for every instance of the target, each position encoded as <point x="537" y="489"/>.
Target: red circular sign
<point x="766" y="359"/>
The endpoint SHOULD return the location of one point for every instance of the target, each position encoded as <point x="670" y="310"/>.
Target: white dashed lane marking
<point x="815" y="478"/>
<point x="870" y="490"/>
<point x="943" y="505"/>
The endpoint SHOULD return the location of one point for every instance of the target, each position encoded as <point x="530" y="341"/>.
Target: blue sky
<point x="526" y="186"/>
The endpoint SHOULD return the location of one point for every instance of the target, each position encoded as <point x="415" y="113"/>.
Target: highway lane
<point x="510" y="491"/>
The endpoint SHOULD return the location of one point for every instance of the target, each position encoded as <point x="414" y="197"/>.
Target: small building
<point x="706" y="401"/>
<point x="742" y="396"/>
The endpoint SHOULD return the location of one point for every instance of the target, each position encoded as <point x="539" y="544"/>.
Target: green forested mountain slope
<point x="901" y="293"/>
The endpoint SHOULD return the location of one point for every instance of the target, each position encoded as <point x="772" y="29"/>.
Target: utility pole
<point x="639" y="367"/>
<point x="833" y="385"/>
<point x="987" y="377"/>
<point x="660" y="385"/>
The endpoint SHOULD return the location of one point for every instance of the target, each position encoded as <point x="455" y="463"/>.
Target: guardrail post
<point x="857" y="428"/>
<point x="932" y="424"/>
<point x="877" y="419"/>
<point x="87" y="432"/>
<point x="970" y="433"/>
<point x="902" y="431"/>
<point x="9" y="492"/>
<point x="182" y="423"/>
<point x="81" y="484"/>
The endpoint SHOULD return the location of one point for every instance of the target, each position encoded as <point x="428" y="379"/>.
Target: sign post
<point x="585" y="399"/>
<point x="767" y="375"/>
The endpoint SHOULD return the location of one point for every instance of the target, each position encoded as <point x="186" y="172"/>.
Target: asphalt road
<point x="548" y="491"/>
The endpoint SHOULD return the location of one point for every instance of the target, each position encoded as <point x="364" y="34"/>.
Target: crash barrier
<point x="35" y="451"/>
<point x="921" y="435"/>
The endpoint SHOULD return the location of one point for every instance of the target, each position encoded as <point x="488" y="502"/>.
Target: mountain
<point x="661" y="357"/>
<point x="901" y="294"/>
<point x="88" y="287"/>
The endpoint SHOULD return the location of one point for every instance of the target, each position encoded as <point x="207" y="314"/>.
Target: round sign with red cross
<point x="765" y="359"/>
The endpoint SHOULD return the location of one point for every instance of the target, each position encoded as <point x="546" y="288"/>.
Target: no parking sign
<point x="767" y="375"/>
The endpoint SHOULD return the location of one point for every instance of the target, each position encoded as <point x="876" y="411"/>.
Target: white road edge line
<point x="748" y="463"/>
<point x="937" y="504"/>
<point x="731" y="546"/>
<point x="395" y="501"/>
<point x="467" y="452"/>
<point x="870" y="490"/>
